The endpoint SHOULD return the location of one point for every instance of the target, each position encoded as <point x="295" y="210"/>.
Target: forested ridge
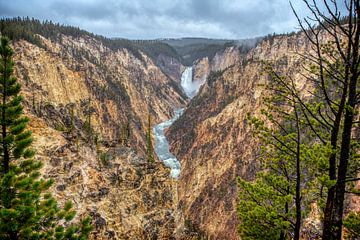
<point x="29" y="29"/>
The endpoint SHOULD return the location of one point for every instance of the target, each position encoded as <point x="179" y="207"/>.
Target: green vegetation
<point x="214" y="76"/>
<point x="105" y="158"/>
<point x="90" y="133"/>
<point x="31" y="29"/>
<point x="192" y="49"/>
<point x="310" y="151"/>
<point x="292" y="163"/>
<point x="125" y="132"/>
<point x="27" y="210"/>
<point x="352" y="225"/>
<point x="267" y="207"/>
<point x="154" y="48"/>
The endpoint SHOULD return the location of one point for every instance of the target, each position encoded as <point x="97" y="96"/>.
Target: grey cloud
<point x="90" y="11"/>
<point x="163" y="18"/>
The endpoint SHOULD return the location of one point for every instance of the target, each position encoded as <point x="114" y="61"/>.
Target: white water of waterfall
<point x="161" y="143"/>
<point x="189" y="86"/>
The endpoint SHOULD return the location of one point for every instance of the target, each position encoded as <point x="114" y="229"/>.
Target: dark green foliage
<point x="336" y="67"/>
<point x="105" y="158"/>
<point x="154" y="48"/>
<point x="125" y="133"/>
<point x="72" y="119"/>
<point x="262" y="210"/>
<point x="199" y="51"/>
<point x="271" y="37"/>
<point x="89" y="131"/>
<point x="213" y="76"/>
<point x="352" y="225"/>
<point x="27" y="211"/>
<point x="27" y="29"/>
<point x="193" y="232"/>
<point x="328" y="116"/>
<point x="317" y="153"/>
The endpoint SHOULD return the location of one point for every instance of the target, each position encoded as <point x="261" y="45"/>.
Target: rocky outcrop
<point x="221" y="60"/>
<point x="170" y="66"/>
<point x="213" y="140"/>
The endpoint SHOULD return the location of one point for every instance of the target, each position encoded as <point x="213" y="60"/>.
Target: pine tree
<point x="149" y="145"/>
<point x="125" y="134"/>
<point x="27" y="210"/>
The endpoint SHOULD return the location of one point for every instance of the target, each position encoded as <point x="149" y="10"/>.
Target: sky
<point x="151" y="19"/>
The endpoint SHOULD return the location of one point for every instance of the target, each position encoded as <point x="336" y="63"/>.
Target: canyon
<point x="89" y="104"/>
<point x="82" y="98"/>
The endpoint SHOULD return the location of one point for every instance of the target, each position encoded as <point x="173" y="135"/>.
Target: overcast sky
<point x="149" y="19"/>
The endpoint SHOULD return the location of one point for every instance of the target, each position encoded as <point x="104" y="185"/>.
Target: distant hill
<point x="191" y="49"/>
<point x="181" y="42"/>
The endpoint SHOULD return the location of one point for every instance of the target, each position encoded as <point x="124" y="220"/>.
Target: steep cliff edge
<point x="213" y="140"/>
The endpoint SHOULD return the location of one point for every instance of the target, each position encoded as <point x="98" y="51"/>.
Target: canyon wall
<point x="221" y="60"/>
<point x="112" y="88"/>
<point x="89" y="107"/>
<point x="213" y="140"/>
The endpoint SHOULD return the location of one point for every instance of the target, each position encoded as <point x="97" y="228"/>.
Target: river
<point x="161" y="143"/>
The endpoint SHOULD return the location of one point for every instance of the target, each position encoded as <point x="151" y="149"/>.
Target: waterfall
<point x="189" y="86"/>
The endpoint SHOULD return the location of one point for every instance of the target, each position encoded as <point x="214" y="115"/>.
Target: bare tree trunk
<point x="345" y="150"/>
<point x="298" y="180"/>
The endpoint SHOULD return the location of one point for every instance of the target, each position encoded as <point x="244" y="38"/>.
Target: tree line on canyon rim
<point x="309" y="137"/>
<point x="29" y="29"/>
